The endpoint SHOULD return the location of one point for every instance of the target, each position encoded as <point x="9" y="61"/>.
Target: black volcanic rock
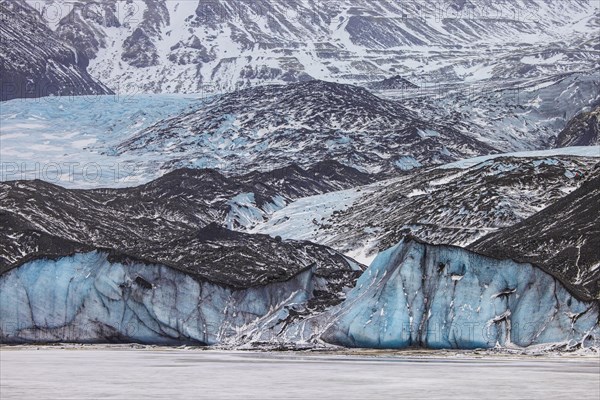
<point x="34" y="62"/>
<point x="563" y="239"/>
<point x="176" y="220"/>
<point x="582" y="130"/>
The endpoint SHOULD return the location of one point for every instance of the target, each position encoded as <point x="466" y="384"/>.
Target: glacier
<point x="412" y="295"/>
<point x="415" y="294"/>
<point x="87" y="298"/>
<point x="71" y="140"/>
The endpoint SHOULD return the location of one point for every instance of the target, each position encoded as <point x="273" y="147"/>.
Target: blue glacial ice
<point x="412" y="295"/>
<point x="87" y="298"/>
<point x="415" y="294"/>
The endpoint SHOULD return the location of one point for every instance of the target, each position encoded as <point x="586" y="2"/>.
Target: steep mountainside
<point x="191" y="46"/>
<point x="270" y="126"/>
<point x="564" y="239"/>
<point x="582" y="130"/>
<point x="34" y="62"/>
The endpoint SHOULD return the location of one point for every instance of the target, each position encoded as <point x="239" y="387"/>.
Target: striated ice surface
<point x="70" y="141"/>
<point x="415" y="294"/>
<point x="412" y="295"/>
<point x="86" y="298"/>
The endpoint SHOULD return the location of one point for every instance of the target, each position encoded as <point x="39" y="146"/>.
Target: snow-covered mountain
<point x="35" y="62"/>
<point x="195" y="46"/>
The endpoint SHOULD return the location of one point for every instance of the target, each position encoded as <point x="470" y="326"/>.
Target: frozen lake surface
<point x="122" y="373"/>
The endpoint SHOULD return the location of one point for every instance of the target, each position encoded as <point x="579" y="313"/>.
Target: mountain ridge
<point x="35" y="63"/>
<point x="172" y="46"/>
<point x="303" y="123"/>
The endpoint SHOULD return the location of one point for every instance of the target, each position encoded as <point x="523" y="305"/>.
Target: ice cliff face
<point x="86" y="298"/>
<point x="412" y="295"/>
<point x="415" y="294"/>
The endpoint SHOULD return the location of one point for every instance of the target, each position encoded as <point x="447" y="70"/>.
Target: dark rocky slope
<point x="582" y="130"/>
<point x="439" y="205"/>
<point x="563" y="239"/>
<point x="174" y="221"/>
<point x="303" y="123"/>
<point x="34" y="62"/>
